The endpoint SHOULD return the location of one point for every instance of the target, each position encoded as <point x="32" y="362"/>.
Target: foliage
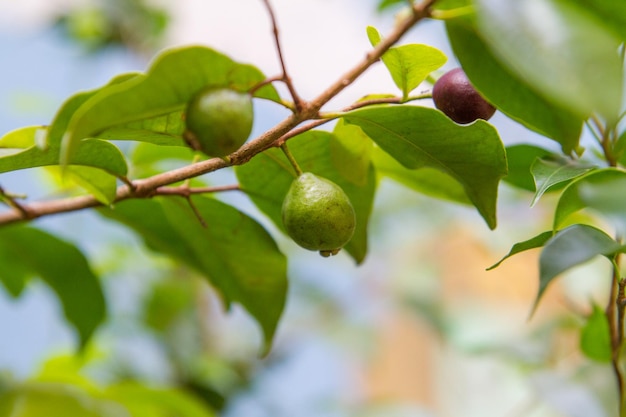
<point x="552" y="66"/>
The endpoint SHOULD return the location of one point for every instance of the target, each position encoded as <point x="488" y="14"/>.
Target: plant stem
<point x="279" y="50"/>
<point x="615" y="310"/>
<point x="291" y="159"/>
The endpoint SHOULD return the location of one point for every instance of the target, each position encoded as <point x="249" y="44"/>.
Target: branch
<point x="297" y="101"/>
<point x="146" y="187"/>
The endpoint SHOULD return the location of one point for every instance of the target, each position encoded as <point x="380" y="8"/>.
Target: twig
<point x="327" y="117"/>
<point x="145" y="187"/>
<point x="285" y="77"/>
<point x="186" y="191"/>
<point x="12" y="202"/>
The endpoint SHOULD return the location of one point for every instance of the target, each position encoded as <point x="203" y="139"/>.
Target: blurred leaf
<point x="64" y="268"/>
<point x="599" y="193"/>
<point x="409" y="65"/>
<point x="386" y="4"/>
<point x="520" y="158"/>
<point x="428" y="181"/>
<point x="36" y="399"/>
<point x="471" y="154"/>
<point x="233" y="252"/>
<point x="595" y="337"/>
<point x="610" y="13"/>
<point x="174" y="77"/>
<point x="167" y="301"/>
<point x="565" y="54"/>
<point x="550" y="172"/>
<point x="148" y="159"/>
<point x="268" y="176"/>
<point x="508" y="92"/>
<point x="571" y="247"/>
<point x="143" y="401"/>
<point x="532" y="243"/>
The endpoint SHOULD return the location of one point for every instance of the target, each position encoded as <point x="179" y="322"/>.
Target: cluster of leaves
<point x="129" y="23"/>
<point x="551" y="81"/>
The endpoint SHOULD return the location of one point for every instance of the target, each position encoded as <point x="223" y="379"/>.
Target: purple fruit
<point x="455" y="96"/>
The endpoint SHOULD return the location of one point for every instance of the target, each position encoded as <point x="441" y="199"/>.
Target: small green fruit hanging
<point x="318" y="214"/>
<point x="219" y="121"/>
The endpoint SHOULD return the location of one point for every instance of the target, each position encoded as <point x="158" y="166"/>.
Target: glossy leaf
<point x="595" y="337"/>
<point x="596" y="189"/>
<point x="409" y="65"/>
<point x="520" y="158"/>
<point x="471" y="154"/>
<point x="268" y="176"/>
<point x="27" y="152"/>
<point x="551" y="172"/>
<point x="170" y="82"/>
<point x="63" y="267"/>
<point x="233" y="252"/>
<point x="510" y="93"/>
<point x="564" y="53"/>
<point x="532" y="243"/>
<point x="428" y="181"/>
<point x="571" y="247"/>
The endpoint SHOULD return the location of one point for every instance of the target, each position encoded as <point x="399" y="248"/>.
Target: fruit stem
<point x="292" y="160"/>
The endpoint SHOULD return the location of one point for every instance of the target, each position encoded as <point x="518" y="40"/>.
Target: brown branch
<point x="146" y="187"/>
<point x="297" y="101"/>
<point x="186" y="191"/>
<point x="11" y="201"/>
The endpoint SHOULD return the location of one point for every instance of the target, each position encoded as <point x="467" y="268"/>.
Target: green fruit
<point x="318" y="214"/>
<point x="219" y="121"/>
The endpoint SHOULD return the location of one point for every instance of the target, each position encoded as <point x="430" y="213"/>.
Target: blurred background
<point x="420" y="329"/>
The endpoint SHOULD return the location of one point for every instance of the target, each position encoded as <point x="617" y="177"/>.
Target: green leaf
<point x="62" y="118"/>
<point x="143" y="401"/>
<point x="564" y="53"/>
<point x="598" y="189"/>
<point x="351" y="152"/>
<point x="610" y="13"/>
<point x="428" y="181"/>
<point x="570" y="247"/>
<point x="508" y="92"/>
<point x="471" y="154"/>
<point x="409" y="65"/>
<point x="166" y="130"/>
<point x="170" y="82"/>
<point x="532" y="243"/>
<point x="94" y="153"/>
<point x="98" y="183"/>
<point x="268" y="176"/>
<point x="35" y="399"/>
<point x="550" y="172"/>
<point x="64" y="268"/>
<point x="233" y="252"/>
<point x="520" y="158"/>
<point x="595" y="337"/>
<point x="386" y="4"/>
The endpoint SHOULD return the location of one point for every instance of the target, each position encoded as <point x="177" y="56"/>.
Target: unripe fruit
<point x="219" y="121"/>
<point x="318" y="214"/>
<point x="455" y="96"/>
